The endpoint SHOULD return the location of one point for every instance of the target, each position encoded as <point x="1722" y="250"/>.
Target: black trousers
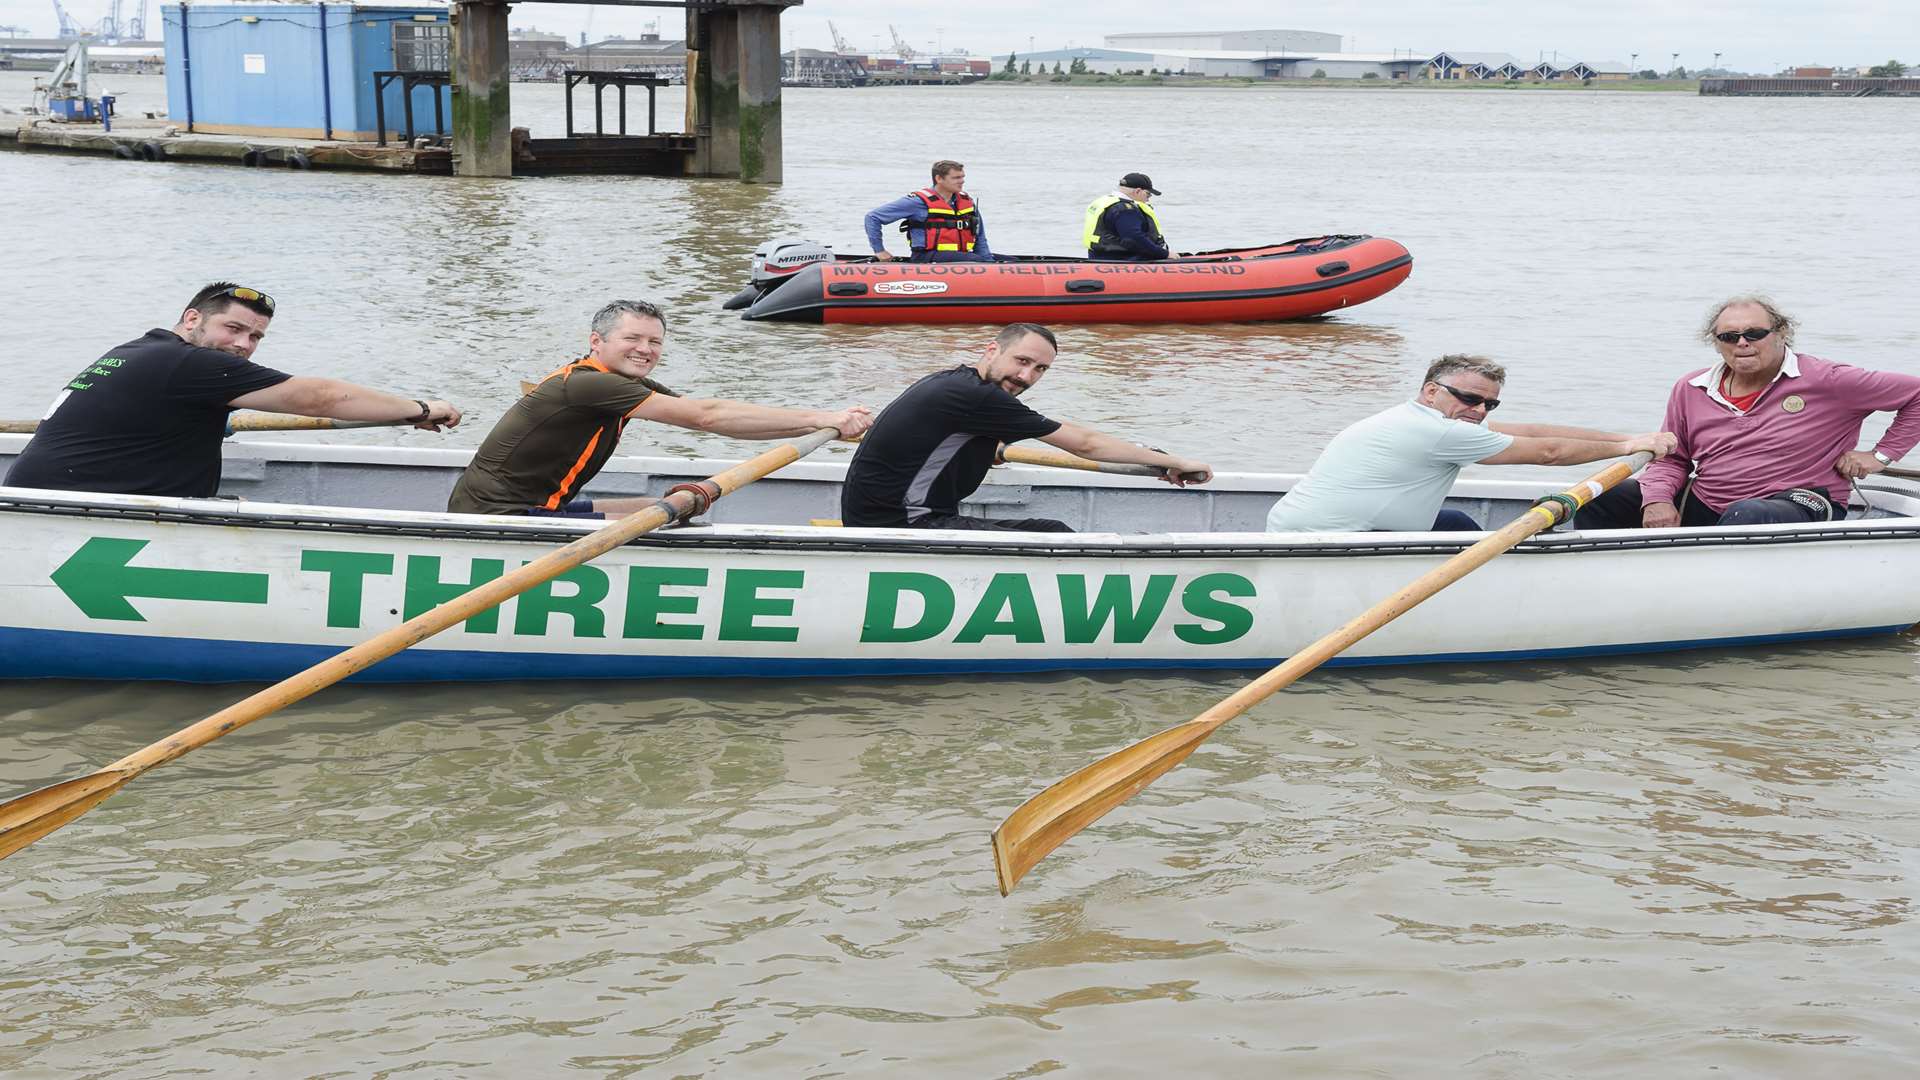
<point x="955" y="521"/>
<point x="1619" y="508"/>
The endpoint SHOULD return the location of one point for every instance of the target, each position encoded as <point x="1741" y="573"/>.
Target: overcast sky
<point x="1750" y="35"/>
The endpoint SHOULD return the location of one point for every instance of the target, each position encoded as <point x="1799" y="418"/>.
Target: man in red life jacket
<point x="942" y="222"/>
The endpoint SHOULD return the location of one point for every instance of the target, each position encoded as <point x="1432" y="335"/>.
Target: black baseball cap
<point x="1139" y="180"/>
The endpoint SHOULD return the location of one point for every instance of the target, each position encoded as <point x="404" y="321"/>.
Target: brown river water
<point x="1681" y="865"/>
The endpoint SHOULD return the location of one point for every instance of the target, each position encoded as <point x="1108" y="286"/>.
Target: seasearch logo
<point x="910" y="288"/>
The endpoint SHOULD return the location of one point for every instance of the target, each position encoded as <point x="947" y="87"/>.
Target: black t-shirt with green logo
<point x="145" y="419"/>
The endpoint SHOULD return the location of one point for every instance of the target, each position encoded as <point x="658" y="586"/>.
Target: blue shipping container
<point x="302" y="70"/>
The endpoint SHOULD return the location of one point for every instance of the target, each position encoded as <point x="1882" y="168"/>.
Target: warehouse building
<point x="1213" y="41"/>
<point x="1300" y="54"/>
<point x="1228" y="63"/>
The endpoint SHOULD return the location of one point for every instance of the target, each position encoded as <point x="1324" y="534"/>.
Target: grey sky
<point x="1753" y="35"/>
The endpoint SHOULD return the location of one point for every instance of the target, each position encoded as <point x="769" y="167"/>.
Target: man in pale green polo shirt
<point x="1392" y="471"/>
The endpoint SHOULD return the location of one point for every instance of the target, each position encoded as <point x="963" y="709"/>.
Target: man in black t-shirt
<point x="932" y="446"/>
<point x="147" y="418"/>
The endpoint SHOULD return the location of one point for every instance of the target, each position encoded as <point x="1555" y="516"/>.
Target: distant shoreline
<point x="1636" y="86"/>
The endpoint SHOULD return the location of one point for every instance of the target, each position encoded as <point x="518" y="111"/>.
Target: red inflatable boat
<point x="798" y="281"/>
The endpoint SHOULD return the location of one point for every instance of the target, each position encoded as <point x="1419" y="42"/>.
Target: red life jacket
<point x="948" y="228"/>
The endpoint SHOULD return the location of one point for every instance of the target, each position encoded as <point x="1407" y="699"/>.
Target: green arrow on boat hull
<point x="98" y="579"/>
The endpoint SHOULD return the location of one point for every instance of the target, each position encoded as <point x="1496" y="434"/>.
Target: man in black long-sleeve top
<point x="933" y="445"/>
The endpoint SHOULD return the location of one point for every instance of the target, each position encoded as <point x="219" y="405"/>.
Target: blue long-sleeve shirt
<point x="910" y="209"/>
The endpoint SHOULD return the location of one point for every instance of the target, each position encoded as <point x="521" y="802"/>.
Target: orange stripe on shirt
<point x="553" y="500"/>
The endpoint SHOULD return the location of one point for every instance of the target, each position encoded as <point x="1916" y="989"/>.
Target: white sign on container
<point x="254" y="63"/>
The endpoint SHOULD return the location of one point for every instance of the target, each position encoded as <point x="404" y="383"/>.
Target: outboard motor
<point x="774" y="262"/>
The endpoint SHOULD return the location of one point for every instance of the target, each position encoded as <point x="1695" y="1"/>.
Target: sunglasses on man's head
<point x="1752" y="333"/>
<point x="1470" y="400"/>
<point x="250" y="295"/>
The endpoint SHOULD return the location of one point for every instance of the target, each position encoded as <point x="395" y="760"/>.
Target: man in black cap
<point x="1121" y="225"/>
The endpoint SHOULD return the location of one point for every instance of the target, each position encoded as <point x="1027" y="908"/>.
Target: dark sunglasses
<point x="250" y="295"/>
<point x="1752" y="333"/>
<point x="1470" y="400"/>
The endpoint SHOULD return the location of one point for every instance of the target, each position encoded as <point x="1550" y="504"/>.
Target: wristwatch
<point x="1882" y="458"/>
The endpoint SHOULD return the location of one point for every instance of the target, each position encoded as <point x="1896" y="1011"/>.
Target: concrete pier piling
<point x="759" y="109"/>
<point x="733" y="88"/>
<point x="482" y="117"/>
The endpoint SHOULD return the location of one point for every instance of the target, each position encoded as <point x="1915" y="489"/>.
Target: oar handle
<point x="1060" y="459"/>
<point x="658" y="388"/>
<point x="463" y="607"/>
<point x="280" y="422"/>
<point x="1051" y="458"/>
<point x="245" y="421"/>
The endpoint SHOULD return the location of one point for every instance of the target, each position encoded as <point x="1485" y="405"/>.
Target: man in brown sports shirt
<point x="557" y="437"/>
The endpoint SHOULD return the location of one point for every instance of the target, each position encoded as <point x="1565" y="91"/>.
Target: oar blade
<point x="1052" y="817"/>
<point x="37" y="813"/>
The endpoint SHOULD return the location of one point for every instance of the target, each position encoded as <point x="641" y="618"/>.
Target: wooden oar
<point x="658" y="388"/>
<point x="1060" y="459"/>
<point x="246" y="421"/>
<point x="278" y="422"/>
<point x="1050" y="818"/>
<point x="29" y="817"/>
<point x="1057" y="459"/>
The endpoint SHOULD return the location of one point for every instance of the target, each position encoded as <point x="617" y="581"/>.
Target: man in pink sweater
<point x="1769" y="436"/>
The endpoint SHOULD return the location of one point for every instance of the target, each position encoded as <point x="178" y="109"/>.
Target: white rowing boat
<point x="332" y="544"/>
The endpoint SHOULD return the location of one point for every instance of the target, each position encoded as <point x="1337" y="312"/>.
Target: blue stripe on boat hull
<point x="65" y="654"/>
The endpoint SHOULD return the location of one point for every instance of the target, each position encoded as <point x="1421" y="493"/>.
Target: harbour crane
<point x="137" y="26"/>
<point x="839" y="43"/>
<point x="110" y="31"/>
<point x="68" y="28"/>
<point x="13" y="31"/>
<point x="900" y="45"/>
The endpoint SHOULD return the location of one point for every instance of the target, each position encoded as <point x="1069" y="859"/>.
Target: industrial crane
<point x="68" y="28"/>
<point x="137" y="26"/>
<point x="900" y="44"/>
<point x="110" y="31"/>
<point x="839" y="43"/>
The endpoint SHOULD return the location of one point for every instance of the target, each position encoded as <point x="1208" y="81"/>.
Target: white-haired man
<point x="1766" y="436"/>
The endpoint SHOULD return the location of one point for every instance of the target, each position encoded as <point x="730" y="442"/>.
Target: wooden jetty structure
<point x="1804" y="86"/>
